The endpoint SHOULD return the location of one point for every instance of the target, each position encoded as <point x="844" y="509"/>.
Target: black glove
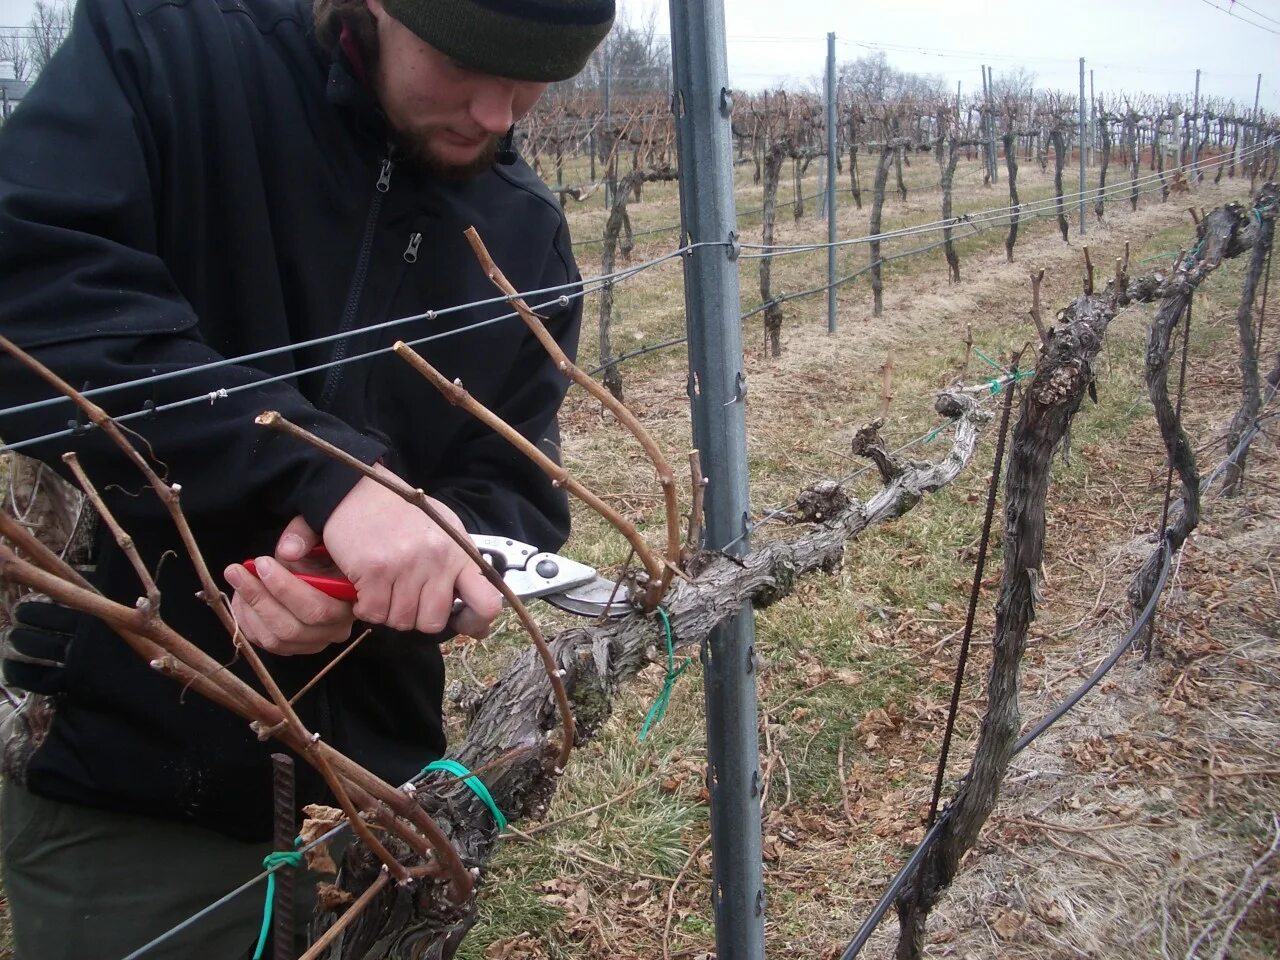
<point x="35" y="652"/>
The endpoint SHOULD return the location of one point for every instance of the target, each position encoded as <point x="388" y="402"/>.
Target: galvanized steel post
<point x="985" y="114"/>
<point x="1195" y="132"/>
<point x="1093" y="120"/>
<point x="833" y="147"/>
<point x="605" y="90"/>
<point x="701" y="102"/>
<point x="1257" y="91"/>
<point x="993" y="152"/>
<point x="1081" y="139"/>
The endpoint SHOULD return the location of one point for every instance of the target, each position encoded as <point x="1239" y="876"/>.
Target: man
<point x="193" y="181"/>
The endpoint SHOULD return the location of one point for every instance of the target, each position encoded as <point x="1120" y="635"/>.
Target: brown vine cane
<point x="457" y="395"/>
<point x="418" y="498"/>
<point x="655" y="590"/>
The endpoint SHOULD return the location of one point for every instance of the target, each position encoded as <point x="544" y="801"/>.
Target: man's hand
<point x="277" y="611"/>
<point x="406" y="570"/>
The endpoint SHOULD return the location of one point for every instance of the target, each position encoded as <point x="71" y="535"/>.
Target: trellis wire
<point x="752" y="527"/>
<point x="1033" y="208"/>
<point x="814" y="291"/>
<point x="977" y="221"/>
<point x="579" y="286"/>
<point x="673" y="227"/>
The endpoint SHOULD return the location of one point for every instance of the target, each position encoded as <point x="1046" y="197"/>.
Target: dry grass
<point x="856" y="665"/>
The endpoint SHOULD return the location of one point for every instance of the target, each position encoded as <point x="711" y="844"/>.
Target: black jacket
<point x="192" y="180"/>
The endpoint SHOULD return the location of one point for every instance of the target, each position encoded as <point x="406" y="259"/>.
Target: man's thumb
<point x="297" y="540"/>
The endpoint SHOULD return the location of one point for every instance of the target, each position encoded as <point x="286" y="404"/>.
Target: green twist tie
<point x="471" y="782"/>
<point x="1159" y="256"/>
<point x="659" y="708"/>
<point x="990" y="362"/>
<point x="1014" y="376"/>
<point x="932" y="435"/>
<point x="271" y="863"/>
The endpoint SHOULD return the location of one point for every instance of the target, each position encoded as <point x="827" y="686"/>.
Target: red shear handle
<point x="336" y="587"/>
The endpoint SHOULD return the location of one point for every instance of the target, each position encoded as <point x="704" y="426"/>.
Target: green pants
<point x="87" y="884"/>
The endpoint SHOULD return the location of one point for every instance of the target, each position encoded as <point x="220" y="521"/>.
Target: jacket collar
<point x="348" y="89"/>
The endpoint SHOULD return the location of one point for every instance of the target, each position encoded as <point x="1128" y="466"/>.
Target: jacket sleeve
<point x="498" y="490"/>
<point x="83" y="287"/>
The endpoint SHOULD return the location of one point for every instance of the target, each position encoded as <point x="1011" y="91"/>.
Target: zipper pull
<point x="411" y="251"/>
<point x="384" y="175"/>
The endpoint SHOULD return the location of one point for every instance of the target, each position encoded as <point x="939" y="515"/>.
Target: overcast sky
<point x="1151" y="46"/>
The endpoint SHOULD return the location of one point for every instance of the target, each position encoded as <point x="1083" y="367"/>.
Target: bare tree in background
<point x="639" y="61"/>
<point x="13" y="51"/>
<point x="49" y="25"/>
<point x="1014" y="85"/>
<point x="873" y="79"/>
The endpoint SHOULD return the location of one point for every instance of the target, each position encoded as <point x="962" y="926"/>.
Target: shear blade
<point x="592" y="599"/>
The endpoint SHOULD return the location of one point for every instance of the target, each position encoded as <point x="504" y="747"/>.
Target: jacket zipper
<point x="411" y="251"/>
<point x="334" y="378"/>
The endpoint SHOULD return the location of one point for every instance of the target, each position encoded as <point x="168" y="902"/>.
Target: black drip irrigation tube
<point x="913" y="862"/>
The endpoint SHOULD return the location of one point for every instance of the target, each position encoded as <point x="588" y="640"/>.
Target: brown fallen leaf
<point x="1008" y="924"/>
<point x="523" y="946"/>
<point x="1050" y="911"/>
<point x="319" y="821"/>
<point x="329" y="897"/>
<point x="568" y="895"/>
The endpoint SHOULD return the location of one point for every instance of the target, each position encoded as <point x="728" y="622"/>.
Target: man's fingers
<point x="298" y="599"/>
<point x="471" y="624"/>
<point x="280" y="613"/>
<point x="482" y="603"/>
<point x="250" y="623"/>
<point x="481" y="597"/>
<point x="297" y="540"/>
<point x="435" y="604"/>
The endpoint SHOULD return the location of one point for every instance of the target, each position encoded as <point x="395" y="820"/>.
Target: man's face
<point x="449" y="117"/>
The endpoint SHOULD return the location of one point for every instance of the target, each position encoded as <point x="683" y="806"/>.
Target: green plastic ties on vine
<point x="1168" y="254"/>
<point x="1013" y="377"/>
<point x="273" y="862"/>
<point x="659" y="708"/>
<point x="990" y="362"/>
<point x="473" y="783"/>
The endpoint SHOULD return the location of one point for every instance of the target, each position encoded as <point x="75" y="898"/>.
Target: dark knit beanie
<point x="543" y="40"/>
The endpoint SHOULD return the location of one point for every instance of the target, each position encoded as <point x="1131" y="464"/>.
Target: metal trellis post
<point x="1081" y="139"/>
<point x="992" y="150"/>
<point x="1093" y="119"/>
<point x="986" y="133"/>
<point x="1257" y="91"/>
<point x="1195" y="132"/>
<point x="833" y="147"/>
<point x="702" y="104"/>
<point x="613" y="145"/>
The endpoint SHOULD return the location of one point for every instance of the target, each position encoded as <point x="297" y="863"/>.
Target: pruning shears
<point x="529" y="572"/>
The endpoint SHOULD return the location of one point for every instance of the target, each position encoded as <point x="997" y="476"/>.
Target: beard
<point x="418" y="153"/>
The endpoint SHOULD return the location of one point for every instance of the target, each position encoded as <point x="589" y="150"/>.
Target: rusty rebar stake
<point x="286" y="828"/>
